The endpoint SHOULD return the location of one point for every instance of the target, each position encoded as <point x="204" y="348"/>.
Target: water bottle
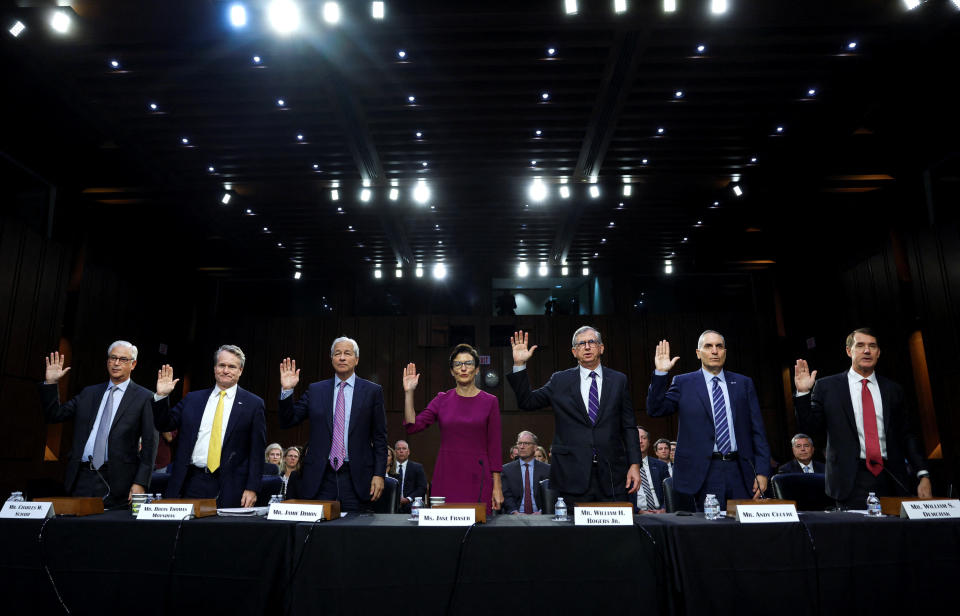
<point x="15" y="497"/>
<point x="560" y="510"/>
<point x="711" y="507"/>
<point x="276" y="498"/>
<point x="415" y="508"/>
<point x="873" y="505"/>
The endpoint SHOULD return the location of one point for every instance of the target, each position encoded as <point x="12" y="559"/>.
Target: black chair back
<point x="389" y="501"/>
<point x="675" y="501"/>
<point x="548" y="497"/>
<point x="808" y="489"/>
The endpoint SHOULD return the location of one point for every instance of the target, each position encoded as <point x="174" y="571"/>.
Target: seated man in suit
<point x="870" y="429"/>
<point x="114" y="443"/>
<point x="347" y="457"/>
<point x="652" y="473"/>
<point x="413" y="481"/>
<point x="522" y="476"/>
<point x="803" y="461"/>
<point x="222" y="434"/>
<point x="725" y="450"/>
<point x="596" y="455"/>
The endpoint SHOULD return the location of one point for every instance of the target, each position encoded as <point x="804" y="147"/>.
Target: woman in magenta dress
<point x="469" y="419"/>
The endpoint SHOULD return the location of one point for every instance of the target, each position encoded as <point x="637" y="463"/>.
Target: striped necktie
<point x="720" y="418"/>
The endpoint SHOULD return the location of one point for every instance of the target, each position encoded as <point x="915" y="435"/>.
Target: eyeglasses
<point x="469" y="363"/>
<point x="586" y="343"/>
<point x="115" y="358"/>
<point x="522" y="443"/>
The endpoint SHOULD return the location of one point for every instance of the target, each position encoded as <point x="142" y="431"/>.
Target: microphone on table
<point x="97" y="471"/>
<point x="894" y="477"/>
<point x="756" y="477"/>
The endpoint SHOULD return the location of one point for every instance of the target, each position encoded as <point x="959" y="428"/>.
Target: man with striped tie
<point x="722" y="445"/>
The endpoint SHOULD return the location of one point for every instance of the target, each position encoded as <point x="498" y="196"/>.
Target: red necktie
<point x="527" y="494"/>
<point x="871" y="438"/>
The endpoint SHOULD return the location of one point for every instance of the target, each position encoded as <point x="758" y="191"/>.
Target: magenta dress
<point x="469" y="445"/>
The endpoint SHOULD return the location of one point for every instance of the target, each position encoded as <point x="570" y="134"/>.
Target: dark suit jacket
<point x="688" y="395"/>
<point x="414" y="482"/>
<point x="131" y="443"/>
<point x="829" y="407"/>
<point x="614" y="436"/>
<point x="366" y="434"/>
<point x="659" y="471"/>
<point x="241" y="454"/>
<point x="794" y="467"/>
<point x="511" y="480"/>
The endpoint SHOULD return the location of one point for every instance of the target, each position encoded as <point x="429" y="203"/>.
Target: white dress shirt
<point x="586" y="381"/>
<point x="202" y="445"/>
<point x="648" y="479"/>
<point x="856" y="397"/>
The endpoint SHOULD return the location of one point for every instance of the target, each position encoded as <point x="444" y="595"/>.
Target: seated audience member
<point x="391" y="463"/>
<point x="520" y="477"/>
<point x="272" y="458"/>
<point x="291" y="464"/>
<point x="413" y="481"/>
<point x="541" y="455"/>
<point x="513" y="453"/>
<point x="653" y="471"/>
<point x="164" y="452"/>
<point x="661" y="449"/>
<point x="803" y="461"/>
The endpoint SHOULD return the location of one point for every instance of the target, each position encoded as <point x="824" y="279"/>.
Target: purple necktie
<point x="337" y="450"/>
<point x="594" y="407"/>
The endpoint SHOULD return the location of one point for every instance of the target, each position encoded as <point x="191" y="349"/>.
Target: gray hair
<point x="356" y="347"/>
<point x="230" y="348"/>
<point x="397" y="444"/>
<point x="586" y="328"/>
<point x="800" y="435"/>
<point x="536" y="441"/>
<point x="133" y="349"/>
<point x="710" y="331"/>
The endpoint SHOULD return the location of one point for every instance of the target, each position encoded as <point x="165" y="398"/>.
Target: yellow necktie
<point x="213" y="451"/>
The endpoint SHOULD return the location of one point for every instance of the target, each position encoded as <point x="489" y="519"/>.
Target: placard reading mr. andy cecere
<point x="602" y="516"/>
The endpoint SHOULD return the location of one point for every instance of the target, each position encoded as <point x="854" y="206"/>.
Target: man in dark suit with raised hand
<point x="652" y="473"/>
<point x="721" y="442"/>
<point x="596" y="454"/>
<point x="114" y="442"/>
<point x="347" y="455"/>
<point x="222" y="434"/>
<point x="870" y="431"/>
<point x="803" y="461"/>
<point x="521" y="477"/>
<point x="413" y="481"/>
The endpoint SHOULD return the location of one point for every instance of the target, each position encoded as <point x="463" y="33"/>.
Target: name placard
<point x="160" y="511"/>
<point x="447" y="517"/>
<point x="295" y="512"/>
<point x="20" y="510"/>
<point x="930" y="509"/>
<point x="602" y="516"/>
<point x="766" y="514"/>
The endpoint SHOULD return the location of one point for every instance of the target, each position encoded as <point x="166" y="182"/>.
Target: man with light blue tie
<point x="722" y="444"/>
<point x="347" y="454"/>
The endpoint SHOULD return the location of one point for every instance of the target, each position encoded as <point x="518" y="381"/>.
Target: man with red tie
<point x="521" y="477"/>
<point x="869" y="429"/>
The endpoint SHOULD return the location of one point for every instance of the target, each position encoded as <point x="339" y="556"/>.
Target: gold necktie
<point x="213" y="451"/>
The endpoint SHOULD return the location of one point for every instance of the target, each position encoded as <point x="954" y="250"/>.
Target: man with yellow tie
<point x="222" y="435"/>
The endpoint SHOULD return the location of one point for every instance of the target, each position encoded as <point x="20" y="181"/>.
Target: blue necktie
<point x="720" y="418"/>
<point x="594" y="397"/>
<point x="103" y="430"/>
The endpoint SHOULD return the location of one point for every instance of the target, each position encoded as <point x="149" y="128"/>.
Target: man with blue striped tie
<point x="722" y="445"/>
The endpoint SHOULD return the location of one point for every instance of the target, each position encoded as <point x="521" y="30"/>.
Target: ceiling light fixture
<point x="256" y="59"/>
<point x="153" y="106"/>
<point x="439" y="271"/>
<point x="377" y="10"/>
<point x="394" y="194"/>
<point x="421" y="193"/>
<point x="238" y="15"/>
<point x="334" y="195"/>
<point x="718" y="7"/>
<point x="60" y="22"/>
<point x="669" y="6"/>
<point x="737" y="190"/>
<point x="522" y="270"/>
<point x="619" y="6"/>
<point x="701" y="48"/>
<point x="564" y="192"/>
<point x="401" y="54"/>
<point x="538" y="190"/>
<point x="114" y="64"/>
<point x="17" y="28"/>
<point x="284" y="16"/>
<point x="594" y="191"/>
<point x="570" y="6"/>
<point x="585" y="271"/>
<point x="225" y="199"/>
<point x="418" y="272"/>
<point x="544" y="96"/>
<point x="627" y="190"/>
<point x="331" y="12"/>
<point x="543" y="269"/>
<point x="365" y="195"/>
<point x="296" y="275"/>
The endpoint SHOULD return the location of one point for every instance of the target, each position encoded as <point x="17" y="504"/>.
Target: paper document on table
<point x="242" y="511"/>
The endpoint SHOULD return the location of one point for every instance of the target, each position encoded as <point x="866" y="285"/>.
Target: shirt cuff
<point x="158" y="397"/>
<point x="519" y="368"/>
<point x="285" y="393"/>
<point x="802" y="393"/>
<point x="659" y="372"/>
<point x="922" y="474"/>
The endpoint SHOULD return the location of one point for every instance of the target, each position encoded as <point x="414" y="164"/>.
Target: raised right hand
<point x="165" y="380"/>
<point x="661" y="357"/>
<point x="55" y="369"/>
<point x="410" y="377"/>
<point x="289" y="374"/>
<point x="802" y="377"/>
<point x="521" y="354"/>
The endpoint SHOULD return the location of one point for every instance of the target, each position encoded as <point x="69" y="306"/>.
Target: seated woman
<point x="468" y="463"/>
<point x="291" y="465"/>
<point x="391" y="470"/>
<point x="541" y="455"/>
<point x="272" y="457"/>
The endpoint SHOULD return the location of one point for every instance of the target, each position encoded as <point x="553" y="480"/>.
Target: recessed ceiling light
<point x="718" y="7"/>
<point x="316" y="166"/>
<point x="753" y="159"/>
<point x="238" y="15"/>
<point x="424" y="164"/>
<point x="421" y="192"/>
<point x="701" y="48"/>
<point x="365" y="195"/>
<point x="331" y="12"/>
<point x="284" y="16"/>
<point x="678" y="94"/>
<point x="256" y="59"/>
<point x="812" y="92"/>
<point x="281" y="102"/>
<point x="296" y="275"/>
<point x="522" y="270"/>
<point x="114" y="64"/>
<point x="401" y="54"/>
<point x="669" y="6"/>
<point x="225" y="199"/>
<point x="377" y="273"/>
<point x="439" y="271"/>
<point x="852" y="45"/>
<point x="611" y="224"/>
<point x="339" y="210"/>
<point x="211" y="169"/>
<point x="715" y="205"/>
<point x="538" y="133"/>
<point x="594" y="191"/>
<point x="542" y="270"/>
<point x="779" y="129"/>
<point x="737" y="190"/>
<point x="299" y="136"/>
<point x="419" y="135"/>
<point x="394" y="194"/>
<point x="645" y="161"/>
<point x="377" y="10"/>
<point x="544" y="96"/>
<point x="184" y="140"/>
<point x="551" y="51"/>
<point x="17" y="28"/>
<point x="661" y="130"/>
<point x="60" y="22"/>
<point x="411" y="99"/>
<point x="585" y="271"/>
<point x="266" y="230"/>
<point x="249" y="212"/>
<point x="619" y="6"/>
<point x="564" y="192"/>
<point x="533" y="163"/>
<point x="570" y="6"/>
<point x="538" y="190"/>
<point x="153" y="106"/>
<point x="603" y="240"/>
<point x="334" y="195"/>
<point x="627" y="190"/>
